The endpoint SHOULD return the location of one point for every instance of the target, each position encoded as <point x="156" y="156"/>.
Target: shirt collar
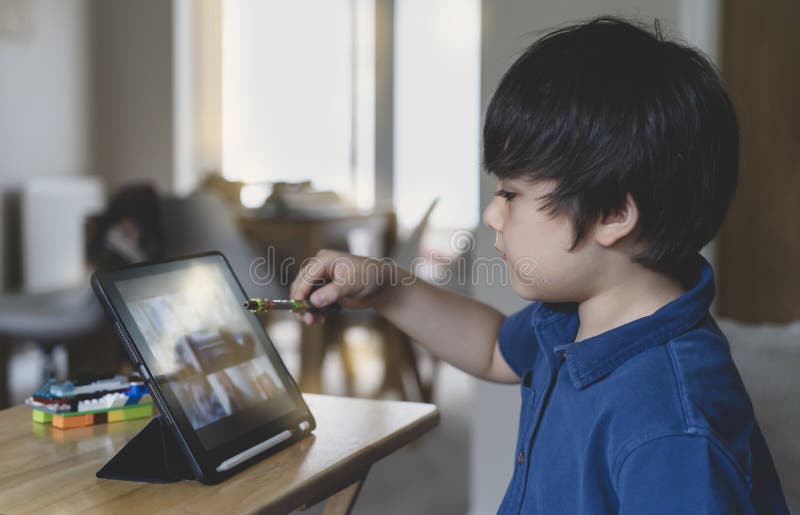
<point x="556" y="325"/>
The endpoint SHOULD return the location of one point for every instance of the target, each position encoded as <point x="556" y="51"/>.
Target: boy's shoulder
<point x="695" y="370"/>
<point x="689" y="386"/>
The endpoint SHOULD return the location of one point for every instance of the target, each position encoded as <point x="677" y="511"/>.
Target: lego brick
<point x="63" y="422"/>
<point x="107" y="410"/>
<point x="137" y="411"/>
<point x="42" y="417"/>
<point x="116" y="415"/>
<point x="69" y="420"/>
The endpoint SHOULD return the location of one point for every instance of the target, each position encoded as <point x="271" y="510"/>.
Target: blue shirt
<point x="650" y="417"/>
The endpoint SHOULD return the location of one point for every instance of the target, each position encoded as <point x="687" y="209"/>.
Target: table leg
<point x="394" y="364"/>
<point x="341" y="503"/>
<point x="5" y="355"/>
<point x="312" y="354"/>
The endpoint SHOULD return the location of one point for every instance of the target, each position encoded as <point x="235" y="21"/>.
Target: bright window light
<point x="291" y="72"/>
<point x="437" y="111"/>
<point x="254" y="195"/>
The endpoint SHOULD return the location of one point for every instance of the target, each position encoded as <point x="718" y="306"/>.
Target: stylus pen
<point x="258" y="305"/>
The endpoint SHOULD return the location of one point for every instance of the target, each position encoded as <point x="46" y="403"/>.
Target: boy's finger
<point x="313" y="318"/>
<point x="313" y="271"/>
<point x="331" y="293"/>
<point x="297" y="290"/>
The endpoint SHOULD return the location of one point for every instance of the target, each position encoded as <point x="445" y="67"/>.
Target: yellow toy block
<point x="117" y="415"/>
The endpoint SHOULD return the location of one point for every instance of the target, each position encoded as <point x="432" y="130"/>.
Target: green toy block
<point x="138" y="411"/>
<point x="42" y="417"/>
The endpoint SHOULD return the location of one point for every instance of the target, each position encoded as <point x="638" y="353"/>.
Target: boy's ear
<point x="618" y="224"/>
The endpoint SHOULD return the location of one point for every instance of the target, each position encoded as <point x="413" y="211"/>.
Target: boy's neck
<point x="635" y="293"/>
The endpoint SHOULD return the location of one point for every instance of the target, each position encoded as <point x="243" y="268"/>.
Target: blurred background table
<point x="371" y="233"/>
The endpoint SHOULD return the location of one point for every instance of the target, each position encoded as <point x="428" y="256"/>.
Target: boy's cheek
<point x="526" y="278"/>
<point x="549" y="278"/>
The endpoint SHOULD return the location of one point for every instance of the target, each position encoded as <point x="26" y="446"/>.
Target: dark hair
<point x="608" y="108"/>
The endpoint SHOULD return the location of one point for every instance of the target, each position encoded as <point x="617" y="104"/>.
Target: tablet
<point x="210" y="366"/>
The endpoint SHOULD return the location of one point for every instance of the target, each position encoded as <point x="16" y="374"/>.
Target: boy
<point x="616" y="155"/>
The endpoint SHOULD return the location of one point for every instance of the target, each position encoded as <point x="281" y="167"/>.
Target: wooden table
<point x="47" y="470"/>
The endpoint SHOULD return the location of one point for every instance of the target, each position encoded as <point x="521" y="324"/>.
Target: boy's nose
<point x="492" y="216"/>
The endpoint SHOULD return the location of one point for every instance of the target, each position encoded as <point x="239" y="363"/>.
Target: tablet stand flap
<point x="152" y="456"/>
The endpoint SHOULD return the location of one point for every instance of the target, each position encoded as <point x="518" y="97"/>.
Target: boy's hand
<point x="352" y="281"/>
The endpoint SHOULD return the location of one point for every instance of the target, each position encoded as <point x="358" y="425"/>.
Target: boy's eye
<point x="508" y="195"/>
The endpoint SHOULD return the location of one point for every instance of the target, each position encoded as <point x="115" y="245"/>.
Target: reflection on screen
<point x="203" y="344"/>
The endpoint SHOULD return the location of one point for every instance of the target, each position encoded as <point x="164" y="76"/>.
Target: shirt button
<point x="521" y="457"/>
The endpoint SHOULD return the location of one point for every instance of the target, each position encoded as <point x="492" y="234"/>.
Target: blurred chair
<point x="142" y="225"/>
<point x="401" y="366"/>
<point x="56" y="305"/>
<point x="60" y="317"/>
<point x="205" y="222"/>
<point x="768" y="357"/>
<point x="294" y="237"/>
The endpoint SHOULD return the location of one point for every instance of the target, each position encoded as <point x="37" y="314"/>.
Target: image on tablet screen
<point x="202" y="342"/>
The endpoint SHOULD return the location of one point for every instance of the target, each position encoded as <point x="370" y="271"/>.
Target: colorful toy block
<point x="69" y="420"/>
<point x="42" y="417"/>
<point x="90" y="400"/>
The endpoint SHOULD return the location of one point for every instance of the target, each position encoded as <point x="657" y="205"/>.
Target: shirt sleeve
<point x="517" y="341"/>
<point x="681" y="474"/>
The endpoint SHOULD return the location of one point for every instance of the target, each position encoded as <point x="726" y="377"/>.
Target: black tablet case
<point x="152" y="456"/>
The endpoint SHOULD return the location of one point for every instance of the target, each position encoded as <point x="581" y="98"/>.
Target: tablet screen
<point x="205" y="349"/>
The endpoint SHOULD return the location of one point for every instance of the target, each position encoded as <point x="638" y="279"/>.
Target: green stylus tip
<point x="253" y="305"/>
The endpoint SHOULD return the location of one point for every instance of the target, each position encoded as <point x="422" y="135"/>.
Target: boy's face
<point x="535" y="246"/>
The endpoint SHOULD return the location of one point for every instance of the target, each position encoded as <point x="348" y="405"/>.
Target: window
<point x="437" y="111"/>
<point x="298" y="100"/>
<point x="296" y="93"/>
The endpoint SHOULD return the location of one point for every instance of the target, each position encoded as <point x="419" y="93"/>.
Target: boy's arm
<point x="453" y="327"/>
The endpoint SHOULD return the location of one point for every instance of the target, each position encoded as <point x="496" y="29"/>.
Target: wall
<point x="88" y="87"/>
<point x="157" y="78"/>
<point x="45" y="114"/>
<point x="760" y="276"/>
<point x="133" y="77"/>
<point x="509" y="26"/>
<point x="196" y="91"/>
